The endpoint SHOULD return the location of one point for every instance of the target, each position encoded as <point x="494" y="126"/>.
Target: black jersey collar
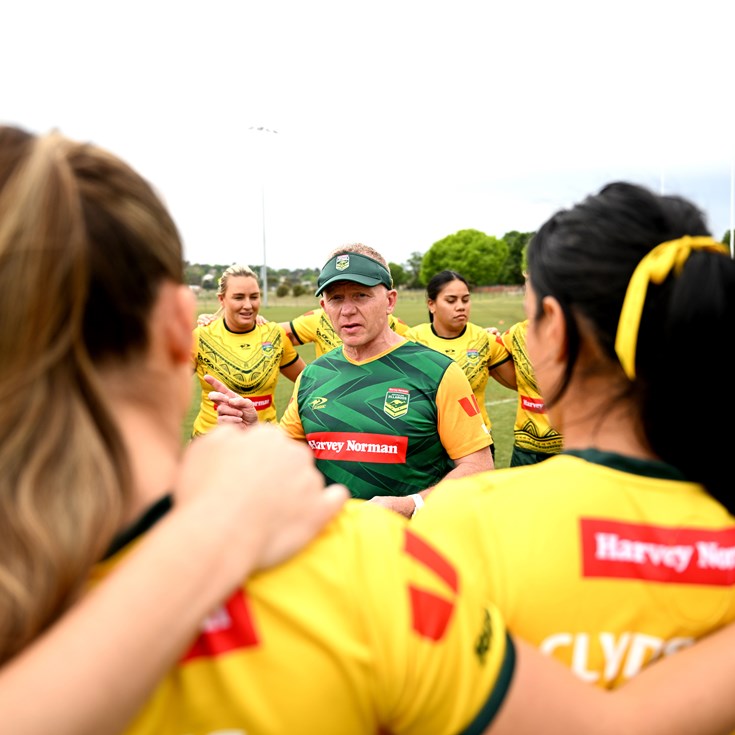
<point x="145" y="522"/>
<point x="632" y="465"/>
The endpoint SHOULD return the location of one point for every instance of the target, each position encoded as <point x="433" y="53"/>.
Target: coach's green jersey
<point x="314" y="326"/>
<point x="532" y="430"/>
<point x="390" y="425"/>
<point x="475" y="351"/>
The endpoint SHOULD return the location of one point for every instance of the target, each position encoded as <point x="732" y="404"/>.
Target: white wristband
<point x="418" y="502"/>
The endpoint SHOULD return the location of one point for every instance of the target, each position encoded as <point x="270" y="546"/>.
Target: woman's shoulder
<point x="418" y="330"/>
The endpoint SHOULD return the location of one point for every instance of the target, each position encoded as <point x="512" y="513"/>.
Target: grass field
<point x="499" y="310"/>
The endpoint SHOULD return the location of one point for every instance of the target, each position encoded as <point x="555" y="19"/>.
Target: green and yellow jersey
<point x="390" y="425"/>
<point x="248" y="363"/>
<point x="532" y="431"/>
<point x="475" y="351"/>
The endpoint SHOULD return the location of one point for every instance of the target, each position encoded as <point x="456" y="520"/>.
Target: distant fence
<point x="515" y="289"/>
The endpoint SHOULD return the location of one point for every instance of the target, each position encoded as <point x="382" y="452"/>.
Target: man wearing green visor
<point x="385" y="416"/>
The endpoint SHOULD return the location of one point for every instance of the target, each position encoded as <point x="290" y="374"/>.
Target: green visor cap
<point x="353" y="267"/>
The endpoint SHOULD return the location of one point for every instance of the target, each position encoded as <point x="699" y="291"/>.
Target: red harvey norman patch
<point x="615" y="549"/>
<point x="261" y="402"/>
<point x="228" y="628"/>
<point x="353" y="447"/>
<point x="534" y="405"/>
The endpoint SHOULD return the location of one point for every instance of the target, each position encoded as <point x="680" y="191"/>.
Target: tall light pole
<point x="264" y="267"/>
<point x="732" y="207"/>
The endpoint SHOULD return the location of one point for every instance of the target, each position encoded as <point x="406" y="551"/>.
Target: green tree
<point x="193" y="273"/>
<point x="400" y="277"/>
<point x="298" y="289"/>
<point x="512" y="272"/>
<point x="282" y="290"/>
<point x="726" y="238"/>
<point x="412" y="268"/>
<point x="477" y="256"/>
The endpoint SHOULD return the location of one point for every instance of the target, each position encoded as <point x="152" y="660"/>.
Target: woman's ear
<point x="173" y="321"/>
<point x="185" y="317"/>
<point x="554" y="328"/>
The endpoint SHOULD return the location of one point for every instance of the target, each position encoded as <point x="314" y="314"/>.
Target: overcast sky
<point x="398" y="123"/>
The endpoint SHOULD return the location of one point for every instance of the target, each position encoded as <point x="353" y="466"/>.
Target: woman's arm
<point x="293" y="370"/>
<point x="95" y="667"/>
<point x="505" y="374"/>
<point x="688" y="693"/>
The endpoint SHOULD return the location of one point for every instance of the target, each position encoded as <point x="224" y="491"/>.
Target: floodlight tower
<point x="264" y="267"/>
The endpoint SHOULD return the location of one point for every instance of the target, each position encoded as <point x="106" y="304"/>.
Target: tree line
<point x="484" y="260"/>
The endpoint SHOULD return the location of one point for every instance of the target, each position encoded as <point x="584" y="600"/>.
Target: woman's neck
<point x="596" y="419"/>
<point x="445" y="331"/>
<point x="154" y="450"/>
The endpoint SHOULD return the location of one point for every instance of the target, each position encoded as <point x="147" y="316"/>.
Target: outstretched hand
<point x="402" y="506"/>
<point x="204" y="320"/>
<point x="231" y="408"/>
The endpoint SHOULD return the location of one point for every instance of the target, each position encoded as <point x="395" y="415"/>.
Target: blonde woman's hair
<point x="85" y="244"/>
<point x="233" y="271"/>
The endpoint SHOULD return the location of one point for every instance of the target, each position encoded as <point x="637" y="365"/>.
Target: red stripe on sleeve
<point x="469" y="405"/>
<point x="431" y="613"/>
<point x="431" y="558"/>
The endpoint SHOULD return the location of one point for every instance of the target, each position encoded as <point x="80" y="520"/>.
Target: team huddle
<point x="443" y="595"/>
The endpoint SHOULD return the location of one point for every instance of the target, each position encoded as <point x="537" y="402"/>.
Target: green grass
<point x="499" y="310"/>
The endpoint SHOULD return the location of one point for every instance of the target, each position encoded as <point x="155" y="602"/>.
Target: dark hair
<point x="436" y="284"/>
<point x="585" y="256"/>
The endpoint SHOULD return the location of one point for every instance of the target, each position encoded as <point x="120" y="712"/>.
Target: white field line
<point x="502" y="400"/>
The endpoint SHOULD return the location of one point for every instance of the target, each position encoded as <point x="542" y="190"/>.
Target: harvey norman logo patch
<point x="534" y="405"/>
<point x="396" y="402"/>
<point x="261" y="402"/>
<point x="342" y="263"/>
<point x="355" y="447"/>
<point x="615" y="549"/>
<point x="229" y="628"/>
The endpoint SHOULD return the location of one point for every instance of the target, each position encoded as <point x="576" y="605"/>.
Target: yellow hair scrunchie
<point x="653" y="268"/>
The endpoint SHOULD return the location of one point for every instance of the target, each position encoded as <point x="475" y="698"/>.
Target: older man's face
<point x="358" y="313"/>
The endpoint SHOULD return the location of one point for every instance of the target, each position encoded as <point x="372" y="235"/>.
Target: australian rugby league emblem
<point x="473" y="355"/>
<point x="343" y="262"/>
<point x="267" y="347"/>
<point x="396" y="402"/>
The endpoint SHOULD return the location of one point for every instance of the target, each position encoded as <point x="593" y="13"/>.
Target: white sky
<point x="399" y="122"/>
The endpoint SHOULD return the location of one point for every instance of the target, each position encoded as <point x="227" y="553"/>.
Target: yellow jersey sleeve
<point x="461" y="427"/>
<point x="289" y="354"/>
<point x="290" y="420"/>
<point x="304" y="326"/>
<point x="398" y="325"/>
